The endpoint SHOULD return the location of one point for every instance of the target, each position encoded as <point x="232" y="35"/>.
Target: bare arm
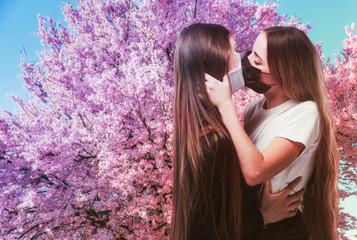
<point x="256" y="166"/>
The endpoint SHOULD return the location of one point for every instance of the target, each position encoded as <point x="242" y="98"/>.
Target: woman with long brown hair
<point x="207" y="190"/>
<point x="210" y="197"/>
<point x="289" y="132"/>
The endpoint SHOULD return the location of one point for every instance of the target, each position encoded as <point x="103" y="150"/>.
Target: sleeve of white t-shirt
<point x="246" y="112"/>
<point x="250" y="108"/>
<point x="302" y="125"/>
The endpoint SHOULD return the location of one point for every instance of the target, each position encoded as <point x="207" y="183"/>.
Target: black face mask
<point x="252" y="76"/>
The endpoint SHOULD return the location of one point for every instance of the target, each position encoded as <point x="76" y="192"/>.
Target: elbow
<point x="253" y="170"/>
<point x="253" y="178"/>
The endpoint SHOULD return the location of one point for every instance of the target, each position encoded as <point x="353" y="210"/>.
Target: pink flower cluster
<point x="89" y="155"/>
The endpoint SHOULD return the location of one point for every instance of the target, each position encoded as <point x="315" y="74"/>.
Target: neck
<point x="275" y="98"/>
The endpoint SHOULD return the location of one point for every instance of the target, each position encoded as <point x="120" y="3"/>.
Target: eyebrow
<point x="256" y="54"/>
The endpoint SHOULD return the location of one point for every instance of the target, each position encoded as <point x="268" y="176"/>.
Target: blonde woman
<point x="287" y="133"/>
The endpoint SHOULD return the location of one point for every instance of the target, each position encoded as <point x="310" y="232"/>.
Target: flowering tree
<point x="342" y="80"/>
<point x="89" y="155"/>
<point x="342" y="86"/>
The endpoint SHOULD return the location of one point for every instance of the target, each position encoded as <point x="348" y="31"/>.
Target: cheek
<point x="266" y="78"/>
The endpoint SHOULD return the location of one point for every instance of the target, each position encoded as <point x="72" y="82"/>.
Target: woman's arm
<point x="256" y="166"/>
<point x="278" y="206"/>
<point x="272" y="208"/>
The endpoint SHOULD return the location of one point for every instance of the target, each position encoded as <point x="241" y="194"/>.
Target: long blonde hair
<point x="295" y="64"/>
<point x="200" y="137"/>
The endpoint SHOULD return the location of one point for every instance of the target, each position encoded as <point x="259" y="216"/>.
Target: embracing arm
<point x="256" y="166"/>
<point x="272" y="207"/>
<point x="277" y="206"/>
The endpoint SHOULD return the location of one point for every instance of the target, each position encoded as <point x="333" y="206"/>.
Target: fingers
<point x="292" y="185"/>
<point x="225" y="78"/>
<point x="209" y="78"/>
<point x="267" y="185"/>
<point x="294" y="205"/>
<point x="293" y="212"/>
<point x="293" y="209"/>
<point x="295" y="201"/>
<point x="209" y="82"/>
<point x="296" y="196"/>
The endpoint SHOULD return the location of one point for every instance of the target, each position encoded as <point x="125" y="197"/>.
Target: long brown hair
<point x="295" y="64"/>
<point x="200" y="137"/>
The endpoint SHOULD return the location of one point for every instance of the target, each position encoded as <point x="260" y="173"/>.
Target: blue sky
<point x="18" y="19"/>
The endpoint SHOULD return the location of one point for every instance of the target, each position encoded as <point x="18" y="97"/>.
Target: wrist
<point x="226" y="105"/>
<point x="265" y="216"/>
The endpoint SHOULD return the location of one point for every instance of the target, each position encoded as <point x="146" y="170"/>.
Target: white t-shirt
<point x="298" y="122"/>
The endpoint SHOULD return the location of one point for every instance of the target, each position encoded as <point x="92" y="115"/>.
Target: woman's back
<point x="211" y="207"/>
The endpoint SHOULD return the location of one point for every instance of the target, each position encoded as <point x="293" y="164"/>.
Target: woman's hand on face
<point x="218" y="92"/>
<point x="278" y="206"/>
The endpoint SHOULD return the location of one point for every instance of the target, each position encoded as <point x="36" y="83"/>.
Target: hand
<point x="218" y="92"/>
<point x="281" y="205"/>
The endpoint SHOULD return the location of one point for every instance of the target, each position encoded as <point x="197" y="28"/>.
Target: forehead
<point x="260" y="44"/>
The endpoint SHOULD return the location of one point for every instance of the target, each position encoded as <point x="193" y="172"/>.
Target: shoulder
<point x="304" y="112"/>
<point x="214" y="142"/>
<point x="210" y="138"/>
<point x="307" y="105"/>
<point x="301" y="124"/>
<point x="255" y="103"/>
<point x="253" y="106"/>
<point x="306" y="109"/>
